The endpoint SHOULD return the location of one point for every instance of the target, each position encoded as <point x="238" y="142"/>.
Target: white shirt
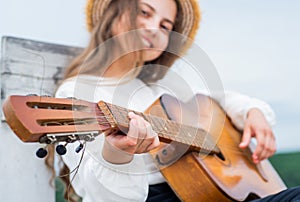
<point x="98" y="180"/>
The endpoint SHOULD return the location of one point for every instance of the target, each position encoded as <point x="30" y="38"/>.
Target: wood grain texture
<point x="203" y="177"/>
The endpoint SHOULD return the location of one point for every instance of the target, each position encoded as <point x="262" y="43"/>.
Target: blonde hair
<point x="95" y="57"/>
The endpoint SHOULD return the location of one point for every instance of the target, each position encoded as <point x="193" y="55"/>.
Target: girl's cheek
<point x="164" y="42"/>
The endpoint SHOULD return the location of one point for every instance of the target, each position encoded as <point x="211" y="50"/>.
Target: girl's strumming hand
<point x="257" y="126"/>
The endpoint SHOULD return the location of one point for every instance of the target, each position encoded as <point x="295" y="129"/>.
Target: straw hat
<point x="190" y="10"/>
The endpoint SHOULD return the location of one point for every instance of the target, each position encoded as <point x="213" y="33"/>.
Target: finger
<point x="120" y="143"/>
<point x="146" y="138"/>
<point x="132" y="135"/>
<point x="270" y="146"/>
<point x="259" y="147"/>
<point x="154" y="144"/>
<point x="141" y="145"/>
<point x="142" y="124"/>
<point x="274" y="146"/>
<point x="109" y="132"/>
<point x="116" y="139"/>
<point x="142" y="132"/>
<point x="152" y="137"/>
<point x="131" y="115"/>
<point x="147" y="142"/>
<point x="149" y="129"/>
<point x="246" y="137"/>
<point x="266" y="149"/>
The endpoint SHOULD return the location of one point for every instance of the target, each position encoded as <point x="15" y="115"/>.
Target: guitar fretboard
<point x="167" y="130"/>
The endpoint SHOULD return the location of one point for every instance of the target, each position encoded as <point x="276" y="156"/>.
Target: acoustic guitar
<point x="201" y="162"/>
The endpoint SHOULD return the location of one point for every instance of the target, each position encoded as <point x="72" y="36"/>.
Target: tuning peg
<point x="41" y="153"/>
<point x="79" y="148"/>
<point x="61" y="149"/>
<point x="89" y="137"/>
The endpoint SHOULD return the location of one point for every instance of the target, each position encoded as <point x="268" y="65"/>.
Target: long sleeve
<point x="237" y="106"/>
<point x="96" y="179"/>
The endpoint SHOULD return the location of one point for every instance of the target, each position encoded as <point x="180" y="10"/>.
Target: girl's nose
<point x="151" y="31"/>
<point x="151" y="25"/>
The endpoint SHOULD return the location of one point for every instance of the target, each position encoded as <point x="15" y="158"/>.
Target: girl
<point x="125" y="35"/>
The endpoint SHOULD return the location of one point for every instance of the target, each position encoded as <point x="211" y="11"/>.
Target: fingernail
<point x="242" y="144"/>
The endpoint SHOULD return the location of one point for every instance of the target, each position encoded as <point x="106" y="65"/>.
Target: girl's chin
<point x="150" y="54"/>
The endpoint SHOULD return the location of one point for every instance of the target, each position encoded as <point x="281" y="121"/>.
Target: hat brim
<point x="190" y="10"/>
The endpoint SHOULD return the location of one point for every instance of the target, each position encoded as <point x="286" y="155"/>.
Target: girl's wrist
<point x="114" y="155"/>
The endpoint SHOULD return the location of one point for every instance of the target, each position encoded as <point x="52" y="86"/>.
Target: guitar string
<point x="83" y="151"/>
<point x="41" y="88"/>
<point x="44" y="67"/>
<point x="228" y="147"/>
<point x="74" y="170"/>
<point x="122" y="110"/>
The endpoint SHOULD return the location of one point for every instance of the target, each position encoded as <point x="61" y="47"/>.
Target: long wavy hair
<point x="95" y="58"/>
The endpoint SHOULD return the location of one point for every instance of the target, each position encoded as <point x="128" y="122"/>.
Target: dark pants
<point x="288" y="195"/>
<point x="163" y="193"/>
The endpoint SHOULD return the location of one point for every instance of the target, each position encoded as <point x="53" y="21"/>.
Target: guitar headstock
<point x="50" y="120"/>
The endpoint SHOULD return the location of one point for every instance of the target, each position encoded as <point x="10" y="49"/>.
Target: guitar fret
<point x="194" y="135"/>
<point x="158" y="125"/>
<point x="120" y="115"/>
<point x="172" y="127"/>
<point x="167" y="129"/>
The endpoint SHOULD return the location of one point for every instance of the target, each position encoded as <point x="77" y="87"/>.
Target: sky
<point x="254" y="45"/>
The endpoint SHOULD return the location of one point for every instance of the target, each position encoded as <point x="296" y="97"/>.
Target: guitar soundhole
<point x="220" y="156"/>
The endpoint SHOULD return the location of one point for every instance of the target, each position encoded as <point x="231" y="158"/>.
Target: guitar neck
<point x="167" y="130"/>
<point x="45" y="119"/>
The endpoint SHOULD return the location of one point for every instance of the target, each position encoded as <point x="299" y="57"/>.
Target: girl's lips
<point x="147" y="42"/>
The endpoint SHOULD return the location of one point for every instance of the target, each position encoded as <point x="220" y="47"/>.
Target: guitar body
<point x="230" y="176"/>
